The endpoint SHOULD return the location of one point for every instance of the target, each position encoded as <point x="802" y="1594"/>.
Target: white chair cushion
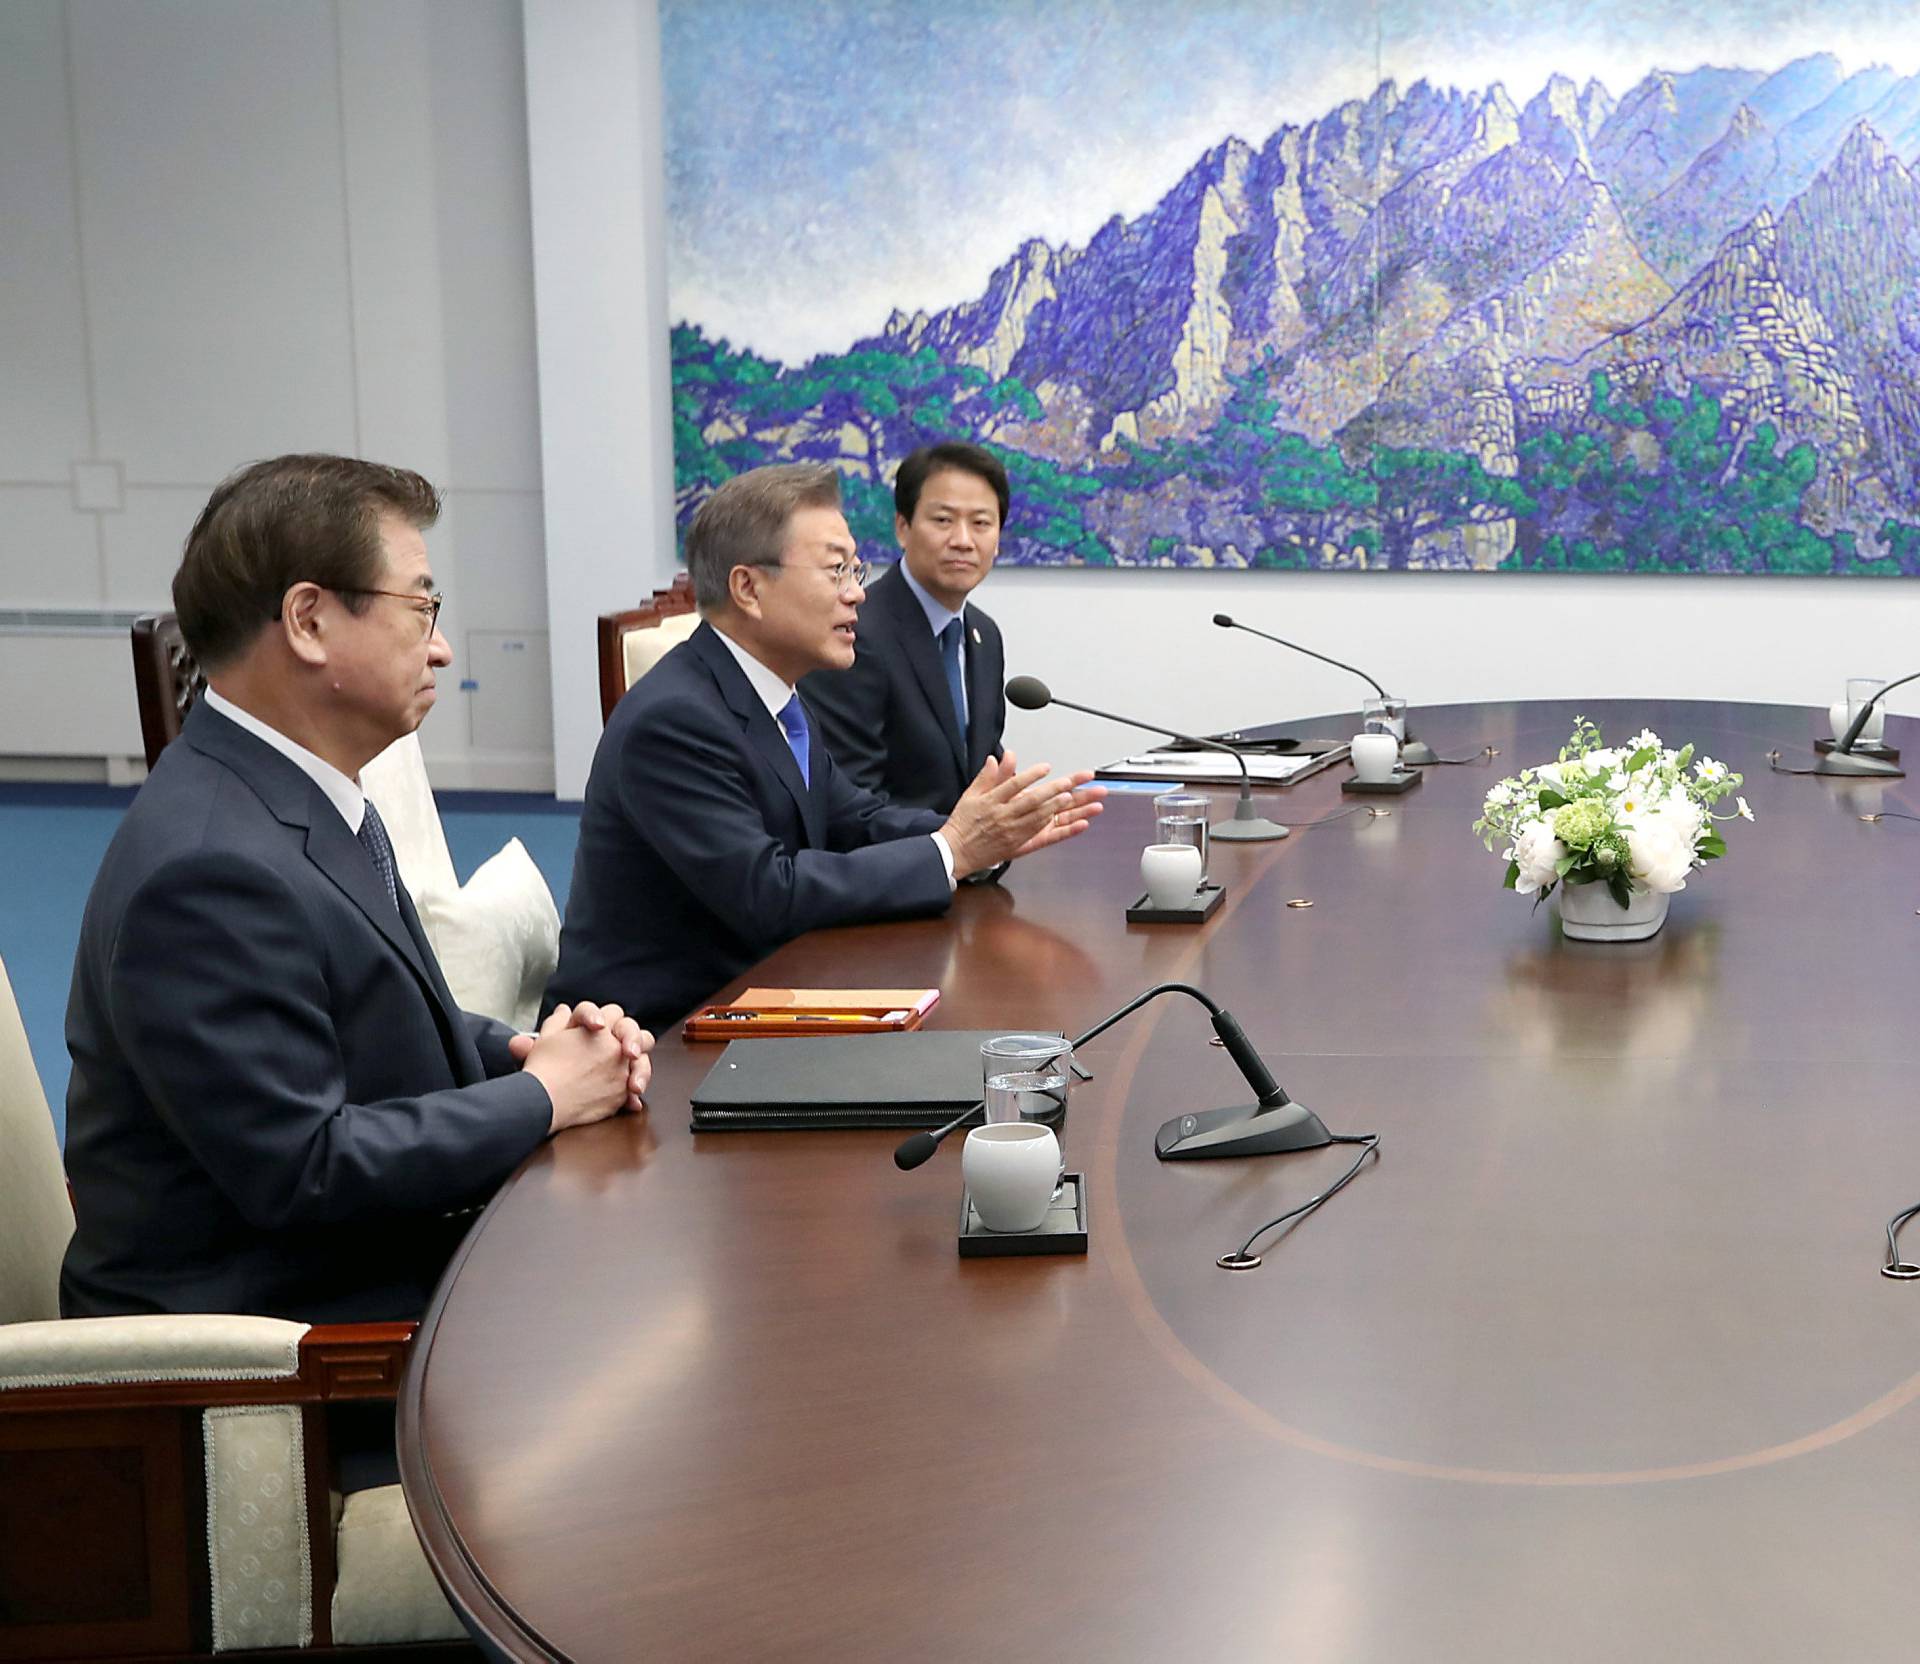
<point x="383" y="1590"/>
<point x="644" y="648"/>
<point x="497" y="936"/>
<point x="35" y="1216"/>
<point x="259" y="1557"/>
<point x="199" y="1346"/>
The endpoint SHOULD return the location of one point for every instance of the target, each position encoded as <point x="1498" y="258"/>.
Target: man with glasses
<point x="276" y="1106"/>
<point x="716" y="824"/>
<point x="923" y="706"/>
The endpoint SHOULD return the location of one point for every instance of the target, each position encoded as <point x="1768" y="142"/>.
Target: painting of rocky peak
<point x="1674" y="327"/>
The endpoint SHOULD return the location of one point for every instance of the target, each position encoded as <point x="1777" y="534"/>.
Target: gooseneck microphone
<point x="1227" y="623"/>
<point x="1244" y="826"/>
<point x="1414" y="753"/>
<point x="1271" y="1124"/>
<point x="920" y="1147"/>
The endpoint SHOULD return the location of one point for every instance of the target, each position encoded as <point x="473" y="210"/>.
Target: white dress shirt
<point x="344" y="794"/>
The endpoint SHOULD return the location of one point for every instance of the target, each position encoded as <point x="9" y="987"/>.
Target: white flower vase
<point x="1588" y="913"/>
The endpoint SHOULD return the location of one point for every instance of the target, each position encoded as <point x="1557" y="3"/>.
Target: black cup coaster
<point x="1205" y="900"/>
<point x="1400" y="780"/>
<point x="1063" y="1231"/>
<point x="1876" y="749"/>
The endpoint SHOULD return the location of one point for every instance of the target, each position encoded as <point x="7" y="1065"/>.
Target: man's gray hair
<point x="744" y="523"/>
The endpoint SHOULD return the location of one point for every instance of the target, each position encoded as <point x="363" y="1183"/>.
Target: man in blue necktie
<point x="716" y="824"/>
<point x="924" y="704"/>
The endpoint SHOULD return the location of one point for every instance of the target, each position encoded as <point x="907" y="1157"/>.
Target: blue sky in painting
<point x="830" y="161"/>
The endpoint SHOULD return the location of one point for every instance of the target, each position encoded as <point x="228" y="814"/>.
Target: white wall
<point x="233" y="229"/>
<point x="1143" y="644"/>
<point x="593" y="102"/>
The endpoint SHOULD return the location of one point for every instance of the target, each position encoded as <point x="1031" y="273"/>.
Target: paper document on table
<point x="1212" y="767"/>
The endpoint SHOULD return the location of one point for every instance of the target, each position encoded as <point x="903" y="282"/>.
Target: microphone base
<point x="1852" y="765"/>
<point x="1242" y="1130"/>
<point x="1416" y="753"/>
<point x="1252" y="831"/>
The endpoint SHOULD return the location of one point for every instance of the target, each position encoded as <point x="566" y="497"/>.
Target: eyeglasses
<point x="427" y="606"/>
<point x="846" y="574"/>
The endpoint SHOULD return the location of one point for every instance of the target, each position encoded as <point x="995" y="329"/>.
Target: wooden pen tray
<point x="766" y="1013"/>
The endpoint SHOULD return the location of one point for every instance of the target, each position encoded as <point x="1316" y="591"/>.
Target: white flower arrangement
<point x="1636" y="818"/>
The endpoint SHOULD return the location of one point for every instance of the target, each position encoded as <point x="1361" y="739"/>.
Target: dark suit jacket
<point x="887" y="720"/>
<point x="701" y="850"/>
<point x="274" y="1100"/>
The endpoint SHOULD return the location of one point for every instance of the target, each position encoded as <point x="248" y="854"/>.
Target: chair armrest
<point x="195" y="1359"/>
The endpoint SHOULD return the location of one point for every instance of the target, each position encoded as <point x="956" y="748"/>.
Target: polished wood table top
<point x="1593" y="1364"/>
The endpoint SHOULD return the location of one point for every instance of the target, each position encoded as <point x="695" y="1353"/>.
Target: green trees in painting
<point x="1649" y="481"/>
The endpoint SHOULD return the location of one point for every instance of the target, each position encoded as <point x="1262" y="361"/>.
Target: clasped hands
<point x="1008" y="812"/>
<point x="592" y="1059"/>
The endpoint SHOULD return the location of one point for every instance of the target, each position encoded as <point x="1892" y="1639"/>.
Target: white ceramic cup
<point x="1171" y="873"/>
<point x="1839" y="715"/>
<point x="1374" y="757"/>
<point x="1010" y="1169"/>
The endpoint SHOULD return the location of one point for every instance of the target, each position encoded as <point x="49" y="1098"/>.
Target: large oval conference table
<point x="1595" y="1363"/>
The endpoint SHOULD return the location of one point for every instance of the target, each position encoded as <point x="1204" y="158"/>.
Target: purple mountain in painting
<point x="1431" y="297"/>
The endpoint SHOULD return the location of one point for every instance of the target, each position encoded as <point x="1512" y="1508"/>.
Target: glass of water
<point x="1181" y="818"/>
<point x="1384" y="716"/>
<point x="1026" y="1077"/>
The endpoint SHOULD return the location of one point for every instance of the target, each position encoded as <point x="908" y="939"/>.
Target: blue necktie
<point x="379" y="847"/>
<point x="950" y="658"/>
<point x="793" y="723"/>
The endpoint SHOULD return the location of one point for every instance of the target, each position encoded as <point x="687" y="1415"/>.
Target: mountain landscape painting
<point x="1671" y="324"/>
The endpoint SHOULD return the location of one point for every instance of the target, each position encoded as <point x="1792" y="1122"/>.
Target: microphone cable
<point x="1895" y="1267"/>
<point x="1485" y="754"/>
<point x="1244" y="1258"/>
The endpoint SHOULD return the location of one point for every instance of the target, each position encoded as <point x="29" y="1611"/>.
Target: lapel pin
<point x="976" y="638"/>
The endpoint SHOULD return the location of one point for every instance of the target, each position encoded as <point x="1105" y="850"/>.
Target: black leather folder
<point x="905" y="1081"/>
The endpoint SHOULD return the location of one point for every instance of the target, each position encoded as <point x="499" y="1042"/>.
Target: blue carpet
<point x="51" y="841"/>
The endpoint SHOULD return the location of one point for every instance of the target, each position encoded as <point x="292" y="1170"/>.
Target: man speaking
<point x="716" y="823"/>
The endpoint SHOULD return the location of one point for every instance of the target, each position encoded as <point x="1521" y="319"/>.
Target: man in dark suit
<point x="716" y="823"/>
<point x="275" y="1104"/>
<point x="923" y="705"/>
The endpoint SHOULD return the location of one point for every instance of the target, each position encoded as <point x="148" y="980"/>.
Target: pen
<point x="809" y="1016"/>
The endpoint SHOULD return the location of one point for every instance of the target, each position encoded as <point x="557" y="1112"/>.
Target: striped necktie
<point x="379" y="847"/>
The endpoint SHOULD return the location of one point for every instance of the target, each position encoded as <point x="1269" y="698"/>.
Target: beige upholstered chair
<point x="165" y="1479"/>
<point x="497" y="937"/>
<point x="634" y="641"/>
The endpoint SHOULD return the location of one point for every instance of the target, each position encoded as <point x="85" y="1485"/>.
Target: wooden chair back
<point x="670" y="608"/>
<point x="166" y="679"/>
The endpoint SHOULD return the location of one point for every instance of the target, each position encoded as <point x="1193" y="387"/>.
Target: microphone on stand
<point x="1844" y="760"/>
<point x="1413" y="753"/>
<point x="1029" y="693"/>
<point x="1271" y="1125"/>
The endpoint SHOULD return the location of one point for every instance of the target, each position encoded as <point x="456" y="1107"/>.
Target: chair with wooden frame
<point x="165" y="678"/>
<point x="634" y="641"/>
<point x="164" y="1480"/>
